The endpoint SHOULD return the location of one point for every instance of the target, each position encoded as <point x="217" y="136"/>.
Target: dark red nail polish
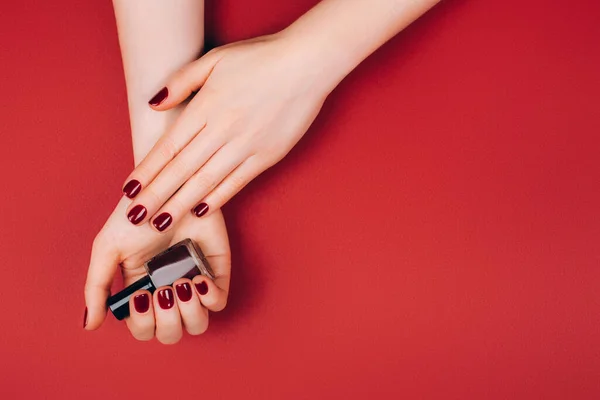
<point x="132" y="188"/>
<point x="201" y="209"/>
<point x="184" y="259"/>
<point x="165" y="299"/>
<point x="202" y="288"/>
<point x="85" y="318"/>
<point x="184" y="291"/>
<point x="159" y="97"/>
<point x="141" y="302"/>
<point x="137" y="214"/>
<point x="163" y="221"/>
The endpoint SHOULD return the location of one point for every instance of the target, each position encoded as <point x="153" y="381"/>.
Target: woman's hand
<point x="170" y="309"/>
<point x="257" y="98"/>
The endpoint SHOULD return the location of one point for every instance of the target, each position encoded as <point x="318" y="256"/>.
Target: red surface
<point x="435" y="235"/>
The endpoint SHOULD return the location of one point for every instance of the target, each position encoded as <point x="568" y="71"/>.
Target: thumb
<point x="103" y="265"/>
<point x="185" y="81"/>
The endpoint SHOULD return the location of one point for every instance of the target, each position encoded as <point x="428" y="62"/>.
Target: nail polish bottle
<point x="182" y="260"/>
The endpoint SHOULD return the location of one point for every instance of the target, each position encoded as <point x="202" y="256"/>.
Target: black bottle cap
<point x="119" y="303"/>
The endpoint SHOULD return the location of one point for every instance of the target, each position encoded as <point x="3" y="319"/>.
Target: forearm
<point x="336" y="35"/>
<point x="157" y="38"/>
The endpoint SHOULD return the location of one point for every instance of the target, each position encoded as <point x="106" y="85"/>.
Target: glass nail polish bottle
<point x="182" y="260"/>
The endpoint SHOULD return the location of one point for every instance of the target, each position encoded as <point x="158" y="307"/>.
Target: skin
<point x="256" y="99"/>
<point x="122" y="246"/>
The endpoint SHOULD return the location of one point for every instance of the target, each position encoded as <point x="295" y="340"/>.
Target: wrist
<point x="147" y="126"/>
<point x="321" y="61"/>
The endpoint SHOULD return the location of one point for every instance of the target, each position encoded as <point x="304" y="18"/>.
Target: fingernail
<point x="184" y="291"/>
<point x="162" y="222"/>
<point x="202" y="288"/>
<point x="159" y="97"/>
<point x="137" y="214"/>
<point x="165" y="299"/>
<point x="141" y="303"/>
<point x="201" y="209"/>
<point x="132" y="188"/>
<point x="85" y="318"/>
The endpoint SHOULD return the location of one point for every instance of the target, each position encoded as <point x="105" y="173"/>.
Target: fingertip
<point x="201" y="210"/>
<point x="140" y="302"/>
<point x="95" y="307"/>
<point x="168" y="319"/>
<point x="183" y="290"/>
<point x="141" y="321"/>
<point x="93" y="318"/>
<point x="159" y="98"/>
<point x="162" y="222"/>
<point x="201" y="285"/>
<point x="211" y="296"/>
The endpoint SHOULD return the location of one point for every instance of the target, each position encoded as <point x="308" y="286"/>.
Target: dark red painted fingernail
<point x="137" y="214"/>
<point x="163" y="221"/>
<point x="201" y="209"/>
<point x="202" y="288"/>
<point x="132" y="188"/>
<point x="159" y="97"/>
<point x="166" y="299"/>
<point x="141" y="302"/>
<point x="85" y="318"/>
<point x="184" y="291"/>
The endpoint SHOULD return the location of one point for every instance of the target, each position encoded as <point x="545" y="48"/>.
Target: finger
<point x="211" y="295"/>
<point x="186" y="127"/>
<point x="193" y="315"/>
<point x="141" y="315"/>
<point x="189" y="124"/>
<point x="166" y="313"/>
<point x="229" y="187"/>
<point x="185" y="81"/>
<point x="197" y="186"/>
<point x="174" y="174"/>
<point x="103" y="265"/>
<point x="215" y="247"/>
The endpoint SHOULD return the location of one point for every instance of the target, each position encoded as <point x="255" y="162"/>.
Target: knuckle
<point x="204" y="180"/>
<point x="167" y="148"/>
<point x="180" y="74"/>
<point x="180" y="167"/>
<point x="237" y="182"/>
<point x="175" y="206"/>
<point x="219" y="196"/>
<point x="150" y="196"/>
<point x="143" y="172"/>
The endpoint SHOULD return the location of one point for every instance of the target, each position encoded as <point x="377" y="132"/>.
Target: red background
<point x="435" y="235"/>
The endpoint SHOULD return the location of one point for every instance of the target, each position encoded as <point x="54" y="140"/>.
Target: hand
<point x="121" y="244"/>
<point x="257" y="98"/>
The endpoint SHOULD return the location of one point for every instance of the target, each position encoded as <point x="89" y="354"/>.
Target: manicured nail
<point x="132" y="188"/>
<point x="137" y="214"/>
<point x="165" y="299"/>
<point x="184" y="291"/>
<point x="202" y="288"/>
<point x="163" y="221"/>
<point x="141" y="303"/>
<point x="159" y="97"/>
<point x="85" y="318"/>
<point x="201" y="209"/>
